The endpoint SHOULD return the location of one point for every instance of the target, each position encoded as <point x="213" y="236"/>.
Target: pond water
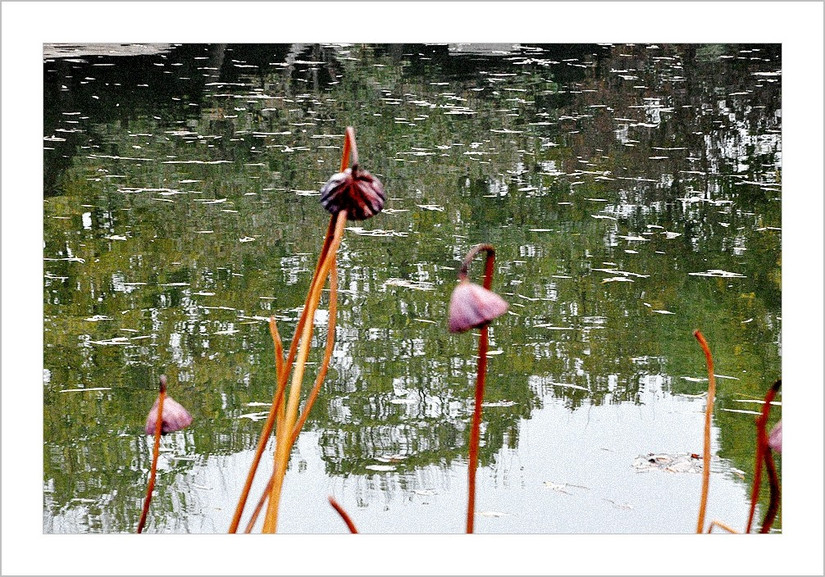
<point x="632" y="192"/>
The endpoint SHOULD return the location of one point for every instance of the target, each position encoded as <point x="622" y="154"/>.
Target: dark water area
<point x="633" y="194"/>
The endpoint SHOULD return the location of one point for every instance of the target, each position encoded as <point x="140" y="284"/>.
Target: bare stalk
<point x="283" y="447"/>
<point x="155" y="453"/>
<point x="481" y="374"/>
<point x="762" y="452"/>
<point x="343" y="514"/>
<point x="708" y="416"/>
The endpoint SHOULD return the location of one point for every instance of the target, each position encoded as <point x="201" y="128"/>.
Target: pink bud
<point x="473" y="306"/>
<point x="355" y="190"/>
<point x="175" y="417"/>
<point x="775" y="437"/>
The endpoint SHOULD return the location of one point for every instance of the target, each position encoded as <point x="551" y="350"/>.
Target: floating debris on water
<point x="677" y="463"/>
<point x="624" y="506"/>
<point x="744" y="411"/>
<point x="255" y="416"/>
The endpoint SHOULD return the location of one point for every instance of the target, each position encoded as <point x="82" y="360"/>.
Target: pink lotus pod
<point x="175" y="417"/>
<point x="473" y="306"/>
<point x="775" y="437"/>
<point x="355" y="190"/>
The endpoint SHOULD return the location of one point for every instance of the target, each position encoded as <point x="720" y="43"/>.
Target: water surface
<point x="633" y="193"/>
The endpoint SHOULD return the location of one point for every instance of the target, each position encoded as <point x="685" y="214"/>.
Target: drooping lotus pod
<point x="355" y="190"/>
<point x="775" y="437"/>
<point x="473" y="306"/>
<point x="175" y="417"/>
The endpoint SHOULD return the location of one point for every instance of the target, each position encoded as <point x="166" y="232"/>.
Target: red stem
<point x="773" y="482"/>
<point x="155" y="453"/>
<point x="475" y="430"/>
<point x="761" y="451"/>
<point x="343" y="515"/>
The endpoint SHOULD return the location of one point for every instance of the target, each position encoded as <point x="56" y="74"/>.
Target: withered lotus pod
<point x="473" y="306"/>
<point x="775" y="437"/>
<point x="355" y="190"/>
<point x="175" y="417"/>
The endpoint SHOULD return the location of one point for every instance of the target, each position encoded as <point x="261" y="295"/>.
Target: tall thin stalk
<point x="155" y="453"/>
<point x="481" y="375"/>
<point x="282" y="446"/>
<point x="319" y="379"/>
<point x="763" y="456"/>
<point x="700" y="523"/>
<point x="281" y="378"/>
<point x="355" y="194"/>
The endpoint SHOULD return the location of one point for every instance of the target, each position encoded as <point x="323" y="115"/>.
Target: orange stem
<point x="282" y="453"/>
<point x="155" y="454"/>
<point x="333" y="306"/>
<point x="708" y="415"/>
<point x="280" y="386"/>
<point x="343" y="514"/>
<point x="330" y="345"/>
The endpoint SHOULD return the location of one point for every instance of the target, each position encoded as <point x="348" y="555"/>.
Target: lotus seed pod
<point x="473" y="306"/>
<point x="775" y="437"/>
<point x="175" y="417"/>
<point x="355" y="190"/>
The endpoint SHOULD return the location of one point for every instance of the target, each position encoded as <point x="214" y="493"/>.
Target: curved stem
<point x="343" y="514"/>
<point x="773" y="483"/>
<point x="281" y="384"/>
<point x="708" y="416"/>
<point x="282" y="449"/>
<point x="483" y="342"/>
<point x="333" y="306"/>
<point x="465" y="264"/>
<point x="761" y="450"/>
<point x="155" y="454"/>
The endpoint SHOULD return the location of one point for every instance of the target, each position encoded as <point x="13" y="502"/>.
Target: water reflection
<point x="181" y="210"/>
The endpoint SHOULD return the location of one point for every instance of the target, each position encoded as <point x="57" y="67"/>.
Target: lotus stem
<point x="762" y="452"/>
<point x="708" y="416"/>
<point x="773" y="483"/>
<point x="281" y="383"/>
<point x="268" y="425"/>
<point x="343" y="515"/>
<point x="333" y="310"/>
<point x="288" y="428"/>
<point x="481" y="374"/>
<point x="282" y="449"/>
<point x="155" y="454"/>
<point x="330" y="345"/>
